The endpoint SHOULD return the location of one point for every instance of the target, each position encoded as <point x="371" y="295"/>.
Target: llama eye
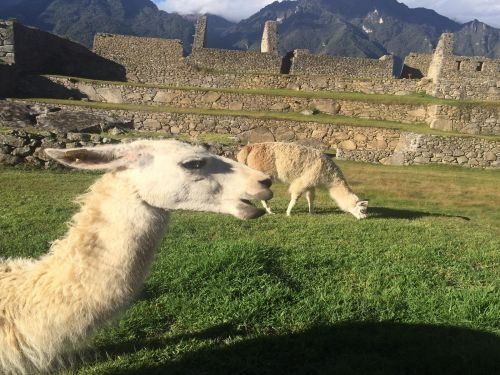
<point x="194" y="164"/>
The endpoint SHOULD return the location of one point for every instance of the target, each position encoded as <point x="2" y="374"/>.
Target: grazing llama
<point x="51" y="305"/>
<point x="303" y="168"/>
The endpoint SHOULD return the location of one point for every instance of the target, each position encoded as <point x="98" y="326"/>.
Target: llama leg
<point x="347" y="201"/>
<point x="297" y="188"/>
<point x="267" y="207"/>
<point x="310" y="195"/>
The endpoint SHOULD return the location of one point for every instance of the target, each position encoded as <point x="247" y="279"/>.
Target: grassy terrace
<point x="412" y="290"/>
<point x="293" y="116"/>
<point x="416" y="98"/>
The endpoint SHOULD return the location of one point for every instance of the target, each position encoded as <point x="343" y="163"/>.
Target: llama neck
<point x="110" y="245"/>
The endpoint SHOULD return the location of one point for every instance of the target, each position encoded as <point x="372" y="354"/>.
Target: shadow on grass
<point x="351" y="348"/>
<point x="392" y="213"/>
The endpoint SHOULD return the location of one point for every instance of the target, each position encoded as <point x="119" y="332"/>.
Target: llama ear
<point x="93" y="158"/>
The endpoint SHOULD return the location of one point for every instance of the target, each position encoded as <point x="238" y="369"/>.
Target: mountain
<point x="477" y="39"/>
<point x="79" y="20"/>
<point x="365" y="28"/>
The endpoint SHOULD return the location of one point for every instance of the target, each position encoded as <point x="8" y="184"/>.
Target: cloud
<point x="487" y="11"/>
<point x="233" y="10"/>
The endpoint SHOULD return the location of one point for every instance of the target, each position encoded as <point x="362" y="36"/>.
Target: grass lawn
<point x="413" y="289"/>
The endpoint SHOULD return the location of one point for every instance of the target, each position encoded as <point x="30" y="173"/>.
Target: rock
<point x="16" y="115"/>
<point x="257" y="135"/>
<point x="422" y="160"/>
<point x="490" y="156"/>
<point x="462" y="160"/>
<point x="211" y="97"/>
<point x="116" y="131"/>
<point x="442" y="124"/>
<point x="164" y="97"/>
<point x="319" y="133"/>
<point x="327" y="106"/>
<point x="358" y="137"/>
<point x="348" y="145"/>
<point x="280" y="107"/>
<point x="151" y="124"/>
<point x="89" y="91"/>
<point x="79" y="122"/>
<point x="283" y="134"/>
<point x="22" y="151"/>
<point x="9" y="159"/>
<point x="307" y="112"/>
<point x="235" y="106"/>
<point x="110" y="95"/>
<point x="12" y="140"/>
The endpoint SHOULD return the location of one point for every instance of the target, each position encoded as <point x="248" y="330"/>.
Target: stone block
<point x="211" y="97"/>
<point x="327" y="106"/>
<point x="110" y="95"/>
<point x="235" y="106"/>
<point x="348" y="145"/>
<point x="442" y="124"/>
<point x="257" y="135"/>
<point x="164" y="97"/>
<point x="152" y="124"/>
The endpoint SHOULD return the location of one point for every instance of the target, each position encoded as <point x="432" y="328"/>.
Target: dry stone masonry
<point x="351" y="142"/>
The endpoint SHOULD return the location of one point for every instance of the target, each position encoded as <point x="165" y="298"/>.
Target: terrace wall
<point x="306" y="63"/>
<point x="471" y="119"/>
<point x="416" y="65"/>
<point x="231" y="61"/>
<point x="351" y="142"/>
<point x="8" y="80"/>
<point x="39" y="52"/>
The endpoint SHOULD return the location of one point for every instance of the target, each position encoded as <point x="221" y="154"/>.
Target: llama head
<point x="359" y="211"/>
<point x="173" y="175"/>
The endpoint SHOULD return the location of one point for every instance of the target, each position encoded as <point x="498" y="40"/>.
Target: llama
<point x="304" y="169"/>
<point x="51" y="305"/>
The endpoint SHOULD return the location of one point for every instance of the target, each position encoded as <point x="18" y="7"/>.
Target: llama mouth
<point x="246" y="210"/>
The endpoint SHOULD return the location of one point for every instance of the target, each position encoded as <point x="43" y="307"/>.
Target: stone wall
<point x="142" y="58"/>
<point x="8" y="80"/>
<point x="200" y="34"/>
<point x="7" y="42"/>
<point x="364" y="143"/>
<point x="470" y="118"/>
<point x="40" y="52"/>
<point x="463" y="77"/>
<point x="269" y="42"/>
<point x="232" y="61"/>
<point x="416" y="65"/>
<point x="305" y="63"/>
<point x="26" y="147"/>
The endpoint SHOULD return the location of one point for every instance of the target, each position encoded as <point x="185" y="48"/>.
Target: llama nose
<point x="267" y="182"/>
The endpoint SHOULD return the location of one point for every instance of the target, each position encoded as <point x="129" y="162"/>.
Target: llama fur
<point x="52" y="305"/>
<point x="304" y="169"/>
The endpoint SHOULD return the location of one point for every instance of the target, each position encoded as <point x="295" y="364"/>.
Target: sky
<point x="487" y="11"/>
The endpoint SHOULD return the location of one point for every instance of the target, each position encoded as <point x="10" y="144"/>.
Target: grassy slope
<point x="411" y="290"/>
<point x="292" y="116"/>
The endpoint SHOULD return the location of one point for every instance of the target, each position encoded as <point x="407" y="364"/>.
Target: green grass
<point x="320" y="118"/>
<point x="413" y="289"/>
<point x="414" y="98"/>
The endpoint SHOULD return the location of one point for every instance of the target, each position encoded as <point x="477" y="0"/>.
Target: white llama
<point x="51" y="305"/>
<point x="304" y="168"/>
